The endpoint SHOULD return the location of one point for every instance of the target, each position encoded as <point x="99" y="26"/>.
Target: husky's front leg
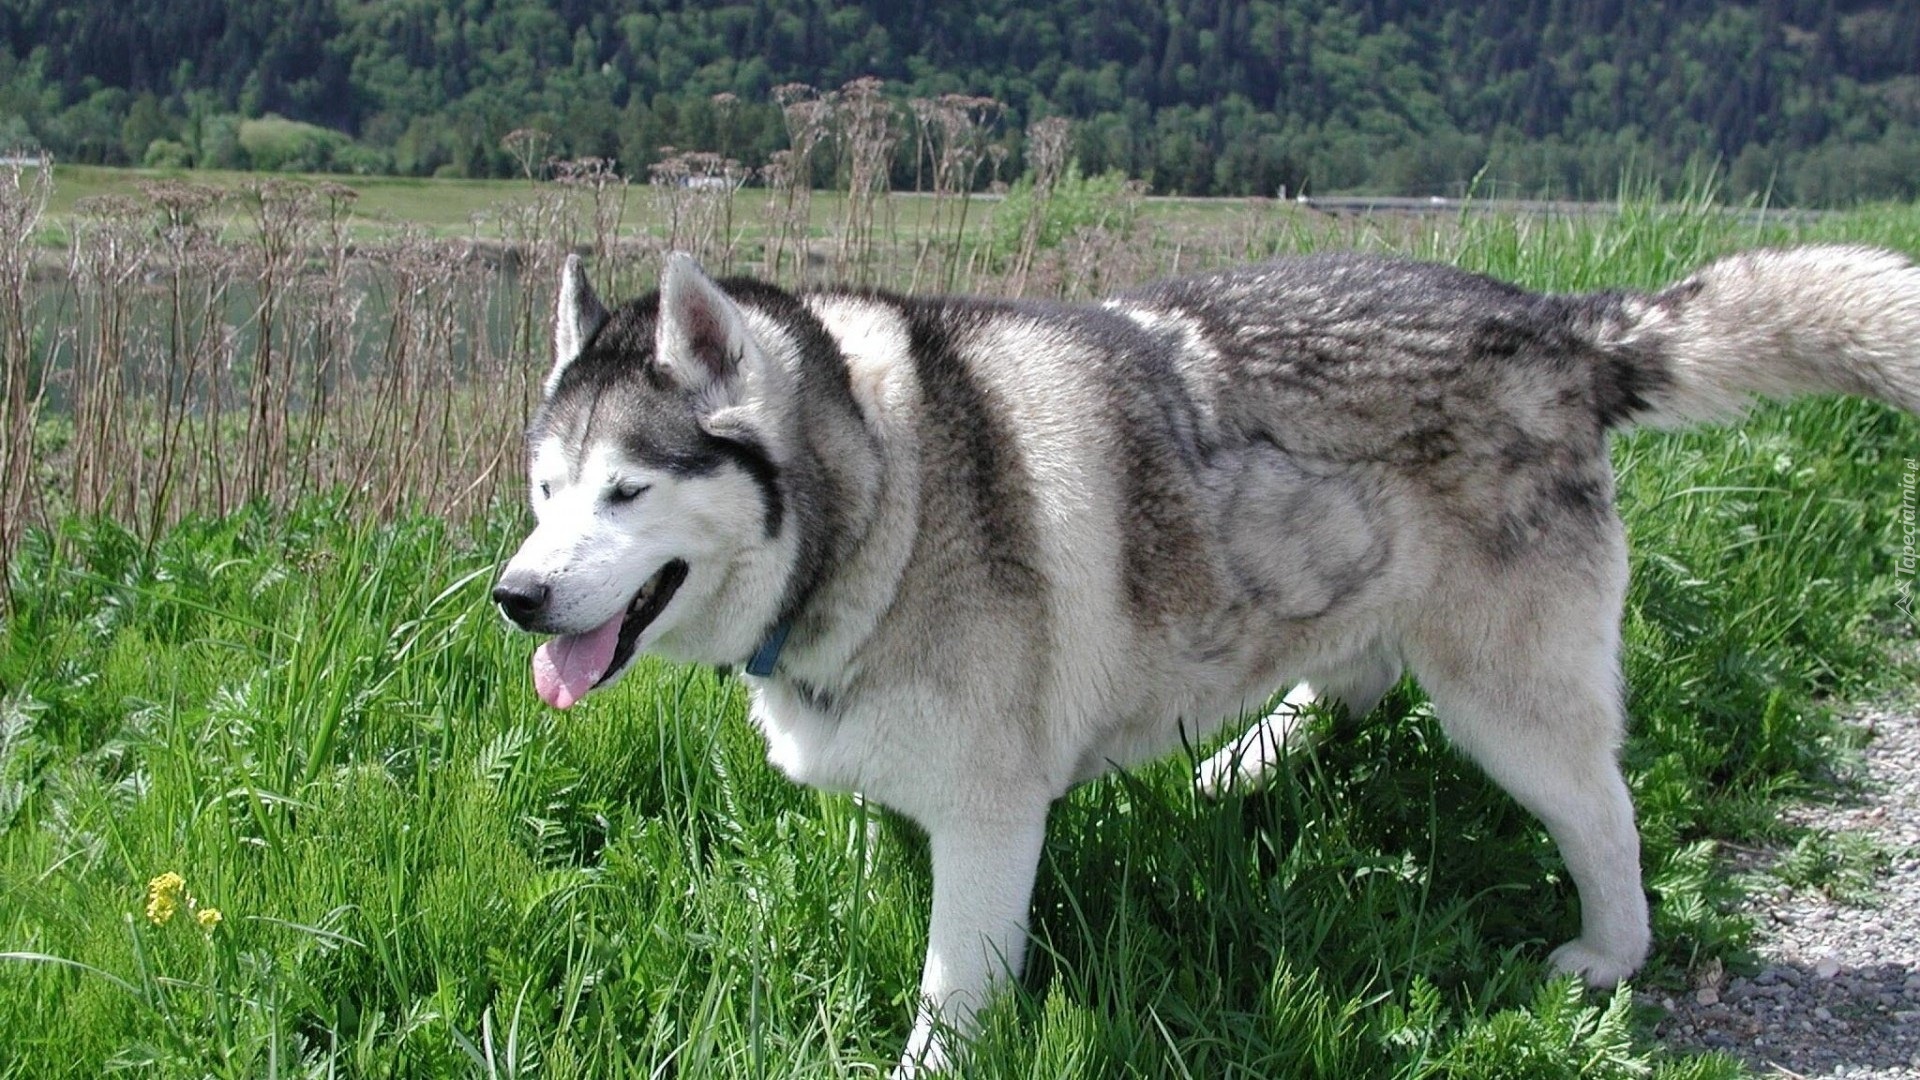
<point x="983" y="870"/>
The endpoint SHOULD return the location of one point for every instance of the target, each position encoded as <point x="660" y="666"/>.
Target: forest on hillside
<point x="1807" y="102"/>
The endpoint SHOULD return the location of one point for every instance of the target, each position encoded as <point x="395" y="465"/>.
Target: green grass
<point x="455" y="208"/>
<point x="439" y="207"/>
<point x="386" y="203"/>
<point x="322" y="726"/>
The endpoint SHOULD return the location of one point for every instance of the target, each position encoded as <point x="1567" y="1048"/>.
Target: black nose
<point x="522" y="600"/>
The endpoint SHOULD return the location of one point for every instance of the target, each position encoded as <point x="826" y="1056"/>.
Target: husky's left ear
<point x="577" y="317"/>
<point x="703" y="334"/>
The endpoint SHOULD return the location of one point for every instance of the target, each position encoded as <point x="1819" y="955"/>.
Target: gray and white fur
<point x="1012" y="545"/>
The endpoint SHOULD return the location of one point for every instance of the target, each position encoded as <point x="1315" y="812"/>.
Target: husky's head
<point x="656" y="484"/>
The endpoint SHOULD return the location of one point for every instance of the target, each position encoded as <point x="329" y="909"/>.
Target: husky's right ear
<point x="578" y="315"/>
<point x="703" y="339"/>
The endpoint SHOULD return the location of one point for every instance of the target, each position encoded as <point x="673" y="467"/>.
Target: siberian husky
<point x="970" y="553"/>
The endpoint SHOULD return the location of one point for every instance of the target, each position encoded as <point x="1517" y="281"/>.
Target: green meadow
<point x="305" y="707"/>
<point x="386" y="202"/>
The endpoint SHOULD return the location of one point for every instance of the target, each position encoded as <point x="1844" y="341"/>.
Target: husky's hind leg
<point x="1538" y="707"/>
<point x="1248" y="762"/>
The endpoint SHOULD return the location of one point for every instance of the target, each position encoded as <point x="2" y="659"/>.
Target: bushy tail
<point x="1770" y="324"/>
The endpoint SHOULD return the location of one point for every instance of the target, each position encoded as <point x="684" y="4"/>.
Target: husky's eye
<point x="546" y="490"/>
<point x="626" y="491"/>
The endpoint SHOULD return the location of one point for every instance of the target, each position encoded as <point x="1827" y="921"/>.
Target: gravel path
<point x="1838" y="991"/>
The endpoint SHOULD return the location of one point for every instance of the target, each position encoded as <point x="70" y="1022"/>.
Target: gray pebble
<point x="1837" y="989"/>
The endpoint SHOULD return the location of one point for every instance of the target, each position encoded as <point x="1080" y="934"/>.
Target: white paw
<point x="1243" y="766"/>
<point x="1220" y="776"/>
<point x="1597" y="967"/>
<point x="925" y="1055"/>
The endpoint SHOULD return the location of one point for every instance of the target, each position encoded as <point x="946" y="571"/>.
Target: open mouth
<point x="568" y="667"/>
<point x="646" y="606"/>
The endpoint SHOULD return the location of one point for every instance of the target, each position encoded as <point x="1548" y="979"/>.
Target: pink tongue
<point x="565" y="668"/>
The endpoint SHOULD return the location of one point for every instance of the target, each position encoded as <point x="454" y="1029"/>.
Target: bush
<point x="277" y="144"/>
<point x="1079" y="202"/>
<point x="166" y="154"/>
<point x="362" y="160"/>
<point x="218" y="145"/>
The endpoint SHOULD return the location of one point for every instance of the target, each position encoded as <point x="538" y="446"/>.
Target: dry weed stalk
<point x="197" y="371"/>
<point x="109" y="254"/>
<point x="725" y="107"/>
<point x="606" y="192"/>
<point x="997" y="154"/>
<point x="539" y="232"/>
<point x="389" y="413"/>
<point x="1098" y="257"/>
<point x="24" y="192"/>
<point x="695" y="190"/>
<point x="329" y="308"/>
<point x="283" y="224"/>
<point x="865" y="129"/>
<point x="789" y="175"/>
<point x="528" y="148"/>
<point x="780" y="177"/>
<point x="1047" y="144"/>
<point x="189" y="375"/>
<point x="196" y="275"/>
<point x="954" y="132"/>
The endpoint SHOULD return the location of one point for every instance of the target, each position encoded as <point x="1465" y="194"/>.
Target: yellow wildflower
<point x="163" y="897"/>
<point x="208" y="918"/>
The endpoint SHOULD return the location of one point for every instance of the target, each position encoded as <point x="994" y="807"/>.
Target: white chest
<point x="861" y="746"/>
<point x="907" y="747"/>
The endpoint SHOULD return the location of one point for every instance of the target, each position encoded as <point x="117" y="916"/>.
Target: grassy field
<point x="385" y="207"/>
<point x="386" y="203"/>
<point x="316" y="720"/>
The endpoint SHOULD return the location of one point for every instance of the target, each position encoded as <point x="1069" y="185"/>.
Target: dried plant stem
<point x="789" y="175"/>
<point x="864" y="128"/>
<point x="23" y="199"/>
<point x="183" y="360"/>
<point x="1047" y="142"/>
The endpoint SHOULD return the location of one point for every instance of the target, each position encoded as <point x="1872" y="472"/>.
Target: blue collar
<point x="769" y="654"/>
